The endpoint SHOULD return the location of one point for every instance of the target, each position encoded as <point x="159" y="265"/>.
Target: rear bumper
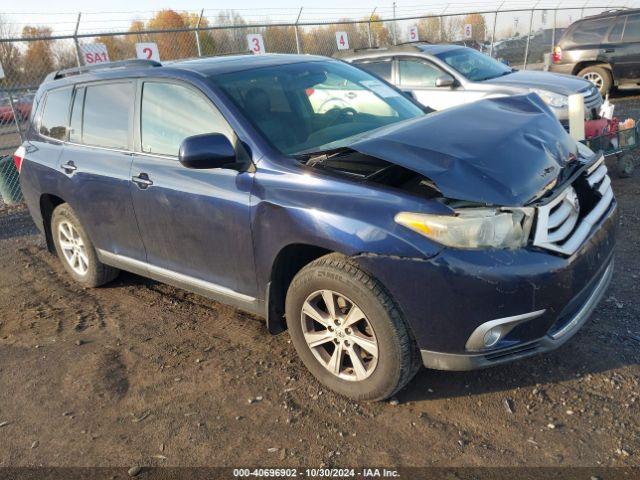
<point x="566" y="68"/>
<point x="551" y="341"/>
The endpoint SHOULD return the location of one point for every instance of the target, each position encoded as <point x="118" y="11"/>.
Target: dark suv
<point x="376" y="233"/>
<point x="604" y="49"/>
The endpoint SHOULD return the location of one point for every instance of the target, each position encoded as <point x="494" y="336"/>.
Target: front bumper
<point x="446" y="298"/>
<point x="551" y="341"/>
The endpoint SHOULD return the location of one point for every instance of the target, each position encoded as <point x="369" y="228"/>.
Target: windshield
<point x="474" y="65"/>
<point x="305" y="107"/>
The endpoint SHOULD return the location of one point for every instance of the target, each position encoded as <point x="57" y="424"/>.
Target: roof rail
<point x="67" y="72"/>
<point x="364" y="49"/>
<point x="412" y="42"/>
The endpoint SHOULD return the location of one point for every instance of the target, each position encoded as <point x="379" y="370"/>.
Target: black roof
<point x="610" y="13"/>
<point x="205" y="66"/>
<point x="235" y="63"/>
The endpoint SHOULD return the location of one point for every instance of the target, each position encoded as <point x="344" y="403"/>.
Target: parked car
<point x="22" y="106"/>
<point x="604" y="49"/>
<point x="382" y="241"/>
<point x="443" y="76"/>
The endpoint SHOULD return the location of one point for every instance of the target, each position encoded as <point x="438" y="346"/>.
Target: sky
<point x="116" y="15"/>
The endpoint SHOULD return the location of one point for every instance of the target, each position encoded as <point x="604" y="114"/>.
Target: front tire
<point x="348" y="331"/>
<point x="599" y="76"/>
<point x="75" y="250"/>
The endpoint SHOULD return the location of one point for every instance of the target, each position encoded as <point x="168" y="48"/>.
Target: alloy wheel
<point x="73" y="248"/>
<point x="594" y="78"/>
<point x="339" y="335"/>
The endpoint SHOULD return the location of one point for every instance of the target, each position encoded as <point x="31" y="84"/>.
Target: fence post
<point x="493" y="33"/>
<point x="395" y="34"/>
<point x="14" y="112"/>
<point x="197" y="33"/>
<point x="75" y="40"/>
<point x="442" y="19"/>
<point x="526" y="48"/>
<point x="369" y="26"/>
<point x="553" y="31"/>
<point x="295" y="30"/>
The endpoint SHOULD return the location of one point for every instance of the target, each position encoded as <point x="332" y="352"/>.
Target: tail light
<point x="18" y="156"/>
<point x="556" y="56"/>
<point x="309" y="91"/>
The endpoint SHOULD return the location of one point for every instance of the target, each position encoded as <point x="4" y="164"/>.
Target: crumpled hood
<point x="501" y="151"/>
<point x="552" y="82"/>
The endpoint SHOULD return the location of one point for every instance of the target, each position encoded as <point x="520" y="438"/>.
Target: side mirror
<point x="210" y="150"/>
<point x="410" y="94"/>
<point x="445" y="81"/>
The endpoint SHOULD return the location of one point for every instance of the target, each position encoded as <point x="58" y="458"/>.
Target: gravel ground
<point x="139" y="373"/>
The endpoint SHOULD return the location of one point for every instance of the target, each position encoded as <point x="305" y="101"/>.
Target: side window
<point x="55" y="116"/>
<point x="379" y="68"/>
<point x="417" y="73"/>
<point x="615" y="35"/>
<point x="591" y="31"/>
<point x="632" y="29"/>
<point x="108" y="109"/>
<point x="170" y="113"/>
<point x="75" y="133"/>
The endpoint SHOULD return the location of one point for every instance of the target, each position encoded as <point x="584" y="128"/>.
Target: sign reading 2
<point x="148" y="51"/>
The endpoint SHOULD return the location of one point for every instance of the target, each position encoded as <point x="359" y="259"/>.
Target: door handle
<point x="69" y="167"/>
<point x="142" y="180"/>
<point x="609" y="50"/>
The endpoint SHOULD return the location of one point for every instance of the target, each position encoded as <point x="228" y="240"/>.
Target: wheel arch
<point x="288" y="262"/>
<point x="48" y="203"/>
<point x="591" y="63"/>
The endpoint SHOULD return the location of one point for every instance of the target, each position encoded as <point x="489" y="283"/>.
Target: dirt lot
<point x="139" y="373"/>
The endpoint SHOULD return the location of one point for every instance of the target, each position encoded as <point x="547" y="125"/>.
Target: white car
<point x="443" y="76"/>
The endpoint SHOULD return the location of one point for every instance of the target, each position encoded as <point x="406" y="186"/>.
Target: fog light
<point x="492" y="337"/>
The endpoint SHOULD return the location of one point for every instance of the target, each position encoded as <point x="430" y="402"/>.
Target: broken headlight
<point x="473" y="227"/>
<point x="552" y="99"/>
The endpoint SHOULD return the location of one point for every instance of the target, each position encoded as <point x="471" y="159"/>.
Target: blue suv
<point x="314" y="194"/>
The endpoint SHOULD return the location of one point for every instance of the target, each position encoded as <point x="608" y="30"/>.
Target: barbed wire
<point x="109" y="21"/>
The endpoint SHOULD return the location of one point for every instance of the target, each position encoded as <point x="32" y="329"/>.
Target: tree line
<point x="30" y="62"/>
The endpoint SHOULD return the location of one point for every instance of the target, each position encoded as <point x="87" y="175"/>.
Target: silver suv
<point x="443" y="76"/>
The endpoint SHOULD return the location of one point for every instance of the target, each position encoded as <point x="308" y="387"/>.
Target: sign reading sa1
<point x="94" y="53"/>
<point x="413" y="34"/>
<point x="342" y="40"/>
<point x="256" y="43"/>
<point x="468" y="31"/>
<point x="148" y="51"/>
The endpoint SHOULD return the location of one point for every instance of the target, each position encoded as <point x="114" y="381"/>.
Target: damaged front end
<point x="503" y="168"/>
<point x="525" y="223"/>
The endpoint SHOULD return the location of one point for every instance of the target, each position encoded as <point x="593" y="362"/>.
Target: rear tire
<point x="75" y="250"/>
<point x="599" y="76"/>
<point x="386" y="355"/>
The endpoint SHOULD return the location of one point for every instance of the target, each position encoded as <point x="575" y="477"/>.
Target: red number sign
<point x="342" y="40"/>
<point x="255" y="43"/>
<point x="94" y="53"/>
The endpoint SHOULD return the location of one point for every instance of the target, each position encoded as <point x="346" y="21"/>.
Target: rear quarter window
<point x="107" y="116"/>
<point x="55" y="115"/>
<point x="590" y="31"/>
<point x="381" y="68"/>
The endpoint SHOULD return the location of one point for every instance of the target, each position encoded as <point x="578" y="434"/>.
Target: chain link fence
<point x="519" y="36"/>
